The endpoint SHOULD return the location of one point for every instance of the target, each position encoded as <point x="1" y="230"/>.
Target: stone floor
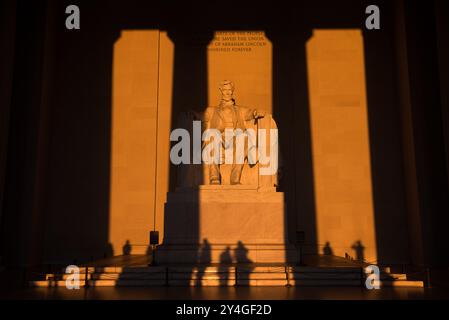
<point x="131" y="271"/>
<point x="220" y="293"/>
<point x="225" y="293"/>
<point x="144" y="260"/>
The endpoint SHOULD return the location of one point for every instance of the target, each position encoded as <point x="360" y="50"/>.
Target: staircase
<point x="224" y="275"/>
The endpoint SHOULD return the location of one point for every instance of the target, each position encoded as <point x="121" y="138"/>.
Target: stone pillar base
<point x="223" y="224"/>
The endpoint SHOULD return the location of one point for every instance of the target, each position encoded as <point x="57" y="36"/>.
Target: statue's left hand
<point x="259" y="114"/>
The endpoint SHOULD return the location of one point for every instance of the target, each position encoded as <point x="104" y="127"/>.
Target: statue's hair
<point x="225" y="82"/>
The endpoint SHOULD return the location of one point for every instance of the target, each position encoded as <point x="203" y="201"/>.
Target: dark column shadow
<point x="291" y="112"/>
<point x="20" y="222"/>
<point x="190" y="89"/>
<point x="428" y="134"/>
<point x="74" y="190"/>
<point x="383" y="109"/>
<point x="190" y="85"/>
<point x="81" y="139"/>
<point x="108" y="252"/>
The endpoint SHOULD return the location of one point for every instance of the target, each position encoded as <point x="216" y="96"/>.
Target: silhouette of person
<point x="241" y="257"/>
<point x="223" y="269"/>
<point x="241" y="253"/>
<point x="204" y="256"/>
<point x="327" y="250"/>
<point x="204" y="259"/>
<point x="126" y="248"/>
<point x="359" y="251"/>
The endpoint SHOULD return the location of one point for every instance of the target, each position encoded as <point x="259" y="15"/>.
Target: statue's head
<point x="227" y="90"/>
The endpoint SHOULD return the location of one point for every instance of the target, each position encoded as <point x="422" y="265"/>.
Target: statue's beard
<point x="225" y="101"/>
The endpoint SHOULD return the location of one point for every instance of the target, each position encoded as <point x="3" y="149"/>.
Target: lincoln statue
<point x="224" y="117"/>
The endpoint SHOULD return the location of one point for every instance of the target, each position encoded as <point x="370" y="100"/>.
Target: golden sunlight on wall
<point x="134" y="122"/>
<point x="340" y="143"/>
<point x="245" y="58"/>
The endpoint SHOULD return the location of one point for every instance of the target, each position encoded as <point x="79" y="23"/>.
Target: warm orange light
<point x="245" y="57"/>
<point x="340" y="142"/>
<point x="137" y="86"/>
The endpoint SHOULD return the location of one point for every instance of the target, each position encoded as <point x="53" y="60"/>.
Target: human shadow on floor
<point x="224" y="269"/>
<point x="244" y="265"/>
<point x="204" y="260"/>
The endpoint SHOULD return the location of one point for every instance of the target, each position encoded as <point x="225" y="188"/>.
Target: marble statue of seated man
<point x="228" y="115"/>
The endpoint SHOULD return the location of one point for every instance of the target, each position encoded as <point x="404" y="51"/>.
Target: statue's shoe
<point x="215" y="182"/>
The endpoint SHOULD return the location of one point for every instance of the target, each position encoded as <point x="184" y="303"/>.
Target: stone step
<point x="154" y="273"/>
<point x="102" y="283"/>
<point x="220" y="275"/>
<point x="227" y="282"/>
<point x="202" y="283"/>
<point x="207" y="269"/>
<point x="157" y="269"/>
<point x="51" y="283"/>
<point x="306" y="269"/>
<point x="126" y="283"/>
<point x="261" y="276"/>
<point x="393" y="276"/>
<point x="179" y="275"/>
<point x="100" y="276"/>
<point x="262" y="269"/>
<point x="128" y="276"/>
<point x="225" y="275"/>
<point x="325" y="283"/>
<point x="193" y="269"/>
<point x="243" y="276"/>
<point x="324" y="276"/>
<point x="402" y="283"/>
<point x="263" y="282"/>
<point x="105" y="280"/>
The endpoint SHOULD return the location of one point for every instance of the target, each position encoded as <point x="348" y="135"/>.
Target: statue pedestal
<point x="224" y="223"/>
